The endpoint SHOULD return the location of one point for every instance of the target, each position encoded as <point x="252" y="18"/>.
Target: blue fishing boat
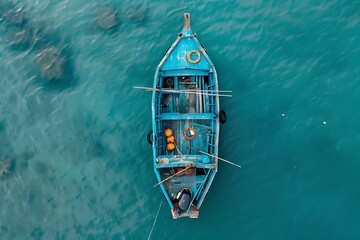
<point x="186" y="121"/>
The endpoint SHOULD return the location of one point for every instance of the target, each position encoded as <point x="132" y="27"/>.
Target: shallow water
<point x="82" y="168"/>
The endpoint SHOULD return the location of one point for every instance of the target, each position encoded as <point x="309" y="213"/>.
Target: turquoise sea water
<point x="80" y="165"/>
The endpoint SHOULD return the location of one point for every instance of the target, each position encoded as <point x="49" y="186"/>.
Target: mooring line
<point x="153" y="226"/>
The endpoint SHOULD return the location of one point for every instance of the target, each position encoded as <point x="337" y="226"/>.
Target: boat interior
<point x="186" y="104"/>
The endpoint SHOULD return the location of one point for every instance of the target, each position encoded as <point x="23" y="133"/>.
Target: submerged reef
<point x="106" y="18"/>
<point x="15" y="14"/>
<point x="56" y="69"/>
<point x="6" y="167"/>
<point x="14" y="22"/>
<point x="50" y="49"/>
<point x="136" y="14"/>
<point x="52" y="64"/>
<point x="22" y="38"/>
<point x="17" y="36"/>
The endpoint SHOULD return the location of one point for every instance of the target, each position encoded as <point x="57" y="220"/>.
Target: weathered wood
<point x="189" y="165"/>
<point x="184" y="91"/>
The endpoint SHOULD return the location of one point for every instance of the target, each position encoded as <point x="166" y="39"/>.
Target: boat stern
<point x="191" y="213"/>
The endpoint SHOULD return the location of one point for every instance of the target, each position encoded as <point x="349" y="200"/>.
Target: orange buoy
<point x="170" y="139"/>
<point x="167" y="132"/>
<point x="170" y="147"/>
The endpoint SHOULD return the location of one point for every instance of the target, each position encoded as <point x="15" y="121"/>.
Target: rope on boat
<point x="177" y="148"/>
<point x="153" y="226"/>
<point x="224" y="160"/>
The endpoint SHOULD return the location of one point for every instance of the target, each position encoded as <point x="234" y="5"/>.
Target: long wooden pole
<point x="200" y="90"/>
<point x="185" y="91"/>
<point x="189" y="165"/>
<point x="191" y="92"/>
<point x="224" y="160"/>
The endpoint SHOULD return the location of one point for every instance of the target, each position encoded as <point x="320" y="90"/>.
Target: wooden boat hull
<point x="185" y="124"/>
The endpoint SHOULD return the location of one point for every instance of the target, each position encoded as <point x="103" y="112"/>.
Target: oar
<point x="207" y="90"/>
<point x="189" y="91"/>
<point x="189" y="165"/>
<point x="194" y="92"/>
<point x="213" y="93"/>
<point x="183" y="91"/>
<point x="224" y="160"/>
<point x="200" y="90"/>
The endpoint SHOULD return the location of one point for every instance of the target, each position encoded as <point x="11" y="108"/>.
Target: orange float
<point x="168" y="132"/>
<point x="170" y="147"/>
<point x="170" y="139"/>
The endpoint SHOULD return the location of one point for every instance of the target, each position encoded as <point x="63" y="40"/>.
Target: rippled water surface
<point x="74" y="160"/>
